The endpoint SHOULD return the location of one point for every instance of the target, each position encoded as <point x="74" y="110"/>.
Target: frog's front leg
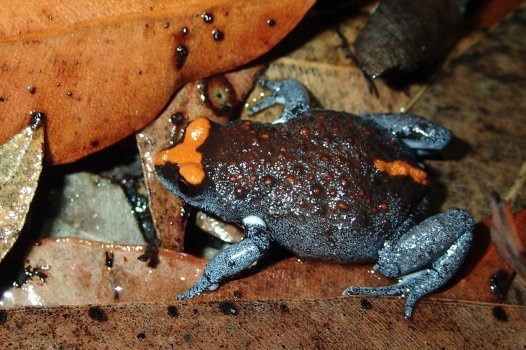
<point x="234" y="259"/>
<point x="419" y="133"/>
<point x="289" y="93"/>
<point x="424" y="258"/>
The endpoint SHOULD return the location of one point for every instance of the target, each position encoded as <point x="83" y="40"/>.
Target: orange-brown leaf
<point x="336" y="323"/>
<point x="102" y="70"/>
<point x="490" y="12"/>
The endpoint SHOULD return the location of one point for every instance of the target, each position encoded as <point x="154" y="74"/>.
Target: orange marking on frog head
<point x="185" y="154"/>
<point x="399" y="167"/>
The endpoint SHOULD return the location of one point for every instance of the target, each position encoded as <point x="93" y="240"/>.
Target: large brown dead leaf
<point x="338" y="323"/>
<point x="102" y="70"/>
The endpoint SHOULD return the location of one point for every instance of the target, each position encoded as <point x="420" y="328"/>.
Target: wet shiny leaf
<point x="91" y="207"/>
<point x="20" y="167"/>
<point x="104" y="70"/>
<point x="88" y="272"/>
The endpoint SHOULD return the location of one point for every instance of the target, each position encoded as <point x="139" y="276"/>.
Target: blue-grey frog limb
<point x="424" y="258"/>
<point x="234" y="259"/>
<point x="325" y="185"/>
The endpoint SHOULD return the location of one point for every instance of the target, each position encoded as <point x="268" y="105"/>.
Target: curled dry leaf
<point x="20" y="167"/>
<point x="104" y="70"/>
<point x="404" y="35"/>
<point x="509" y="238"/>
<point x="219" y="98"/>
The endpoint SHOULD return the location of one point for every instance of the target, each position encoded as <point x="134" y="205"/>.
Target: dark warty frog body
<point x="325" y="185"/>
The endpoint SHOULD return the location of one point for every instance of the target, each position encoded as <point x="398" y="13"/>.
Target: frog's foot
<point x="412" y="287"/>
<point x="424" y="258"/>
<point x="420" y="134"/>
<point x="234" y="259"/>
<point x="289" y="93"/>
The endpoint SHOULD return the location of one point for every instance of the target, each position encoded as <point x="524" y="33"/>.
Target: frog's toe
<point x="186" y="295"/>
<point x="202" y="285"/>
<point x="289" y="93"/>
<point x="273" y="99"/>
<point x="269" y="84"/>
<point x="413" y="287"/>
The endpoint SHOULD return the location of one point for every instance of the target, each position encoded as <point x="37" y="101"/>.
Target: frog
<point x="323" y="184"/>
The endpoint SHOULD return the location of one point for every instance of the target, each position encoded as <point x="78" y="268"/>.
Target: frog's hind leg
<point x="234" y="259"/>
<point x="289" y="93"/>
<point x="424" y="258"/>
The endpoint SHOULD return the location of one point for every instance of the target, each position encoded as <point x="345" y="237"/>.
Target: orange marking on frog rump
<point x="401" y="168"/>
<point x="185" y="154"/>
